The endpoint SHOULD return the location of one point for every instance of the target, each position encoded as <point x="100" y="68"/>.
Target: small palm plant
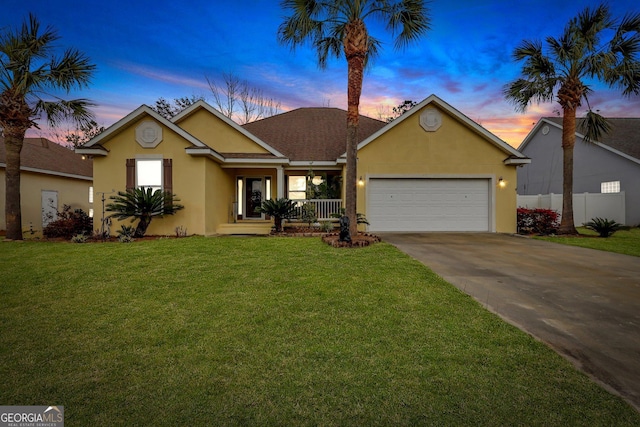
<point x="604" y="227"/>
<point x="279" y="209"/>
<point x="143" y="204"/>
<point x="360" y="218"/>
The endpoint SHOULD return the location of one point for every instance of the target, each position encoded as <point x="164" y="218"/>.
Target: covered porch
<point x="315" y="191"/>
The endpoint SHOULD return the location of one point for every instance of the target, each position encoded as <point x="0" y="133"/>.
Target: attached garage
<point x="429" y="204"/>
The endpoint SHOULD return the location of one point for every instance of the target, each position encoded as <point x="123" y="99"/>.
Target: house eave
<point x="205" y="152"/>
<point x="235" y="162"/>
<point x="92" y="151"/>
<point x="517" y="161"/>
<point x="50" y="172"/>
<point x="313" y="163"/>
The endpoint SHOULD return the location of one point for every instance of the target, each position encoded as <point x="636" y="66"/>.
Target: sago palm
<point x="28" y="69"/>
<point x="337" y="27"/>
<point x="143" y="204"/>
<point x="279" y="209"/>
<point x="594" y="46"/>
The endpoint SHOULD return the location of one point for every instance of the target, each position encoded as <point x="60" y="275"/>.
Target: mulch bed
<point x="358" y="241"/>
<point x="332" y="239"/>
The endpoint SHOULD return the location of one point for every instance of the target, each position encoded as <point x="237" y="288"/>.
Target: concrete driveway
<point x="583" y="303"/>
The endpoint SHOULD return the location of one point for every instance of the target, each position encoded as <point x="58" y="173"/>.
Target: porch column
<point x="280" y="182"/>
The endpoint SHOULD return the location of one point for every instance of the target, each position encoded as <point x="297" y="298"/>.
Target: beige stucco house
<point x="51" y="176"/>
<point x="432" y="169"/>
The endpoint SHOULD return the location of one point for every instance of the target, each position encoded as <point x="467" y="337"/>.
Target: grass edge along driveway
<point x="625" y="242"/>
<point x="270" y="331"/>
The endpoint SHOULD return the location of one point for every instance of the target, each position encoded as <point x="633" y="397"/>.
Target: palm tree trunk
<point x="568" y="142"/>
<point x="355" y="48"/>
<point x="143" y="224"/>
<point x="13" y="212"/>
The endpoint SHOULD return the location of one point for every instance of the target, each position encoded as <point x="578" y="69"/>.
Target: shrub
<point x="537" y="221"/>
<point x="604" y="227"/>
<point x="79" y="238"/>
<point x="308" y="214"/>
<point x="125" y="234"/>
<point x="181" y="231"/>
<point x="125" y="239"/>
<point x="69" y="223"/>
<point x="326" y="226"/>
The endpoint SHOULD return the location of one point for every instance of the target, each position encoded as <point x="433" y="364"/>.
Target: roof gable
<point x="623" y="139"/>
<point x="44" y="156"/>
<point x="94" y="146"/>
<point x="195" y="110"/>
<point x="514" y="156"/>
<point x="310" y="135"/>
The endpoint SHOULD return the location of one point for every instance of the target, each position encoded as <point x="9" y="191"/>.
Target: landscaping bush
<point x="537" y="221"/>
<point x="308" y="214"/>
<point x="125" y="234"/>
<point x="69" y="223"/>
<point x="604" y="227"/>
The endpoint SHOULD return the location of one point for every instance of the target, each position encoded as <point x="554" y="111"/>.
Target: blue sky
<point x="145" y="50"/>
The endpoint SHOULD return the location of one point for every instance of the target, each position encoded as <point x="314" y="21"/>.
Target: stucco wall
<point x="188" y="178"/>
<point x="217" y="134"/>
<point x="453" y="151"/>
<point x="72" y="192"/>
<point x="592" y="165"/>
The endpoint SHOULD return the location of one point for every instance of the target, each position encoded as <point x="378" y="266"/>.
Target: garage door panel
<point x="428" y="204"/>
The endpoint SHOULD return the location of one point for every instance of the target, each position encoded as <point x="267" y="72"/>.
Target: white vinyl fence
<point x="586" y="206"/>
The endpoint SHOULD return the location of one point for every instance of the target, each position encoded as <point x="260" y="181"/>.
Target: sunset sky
<point x="145" y="50"/>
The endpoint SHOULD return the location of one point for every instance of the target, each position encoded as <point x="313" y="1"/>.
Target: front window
<point x="297" y="187"/>
<point x="610" y="187"/>
<point x="149" y="173"/>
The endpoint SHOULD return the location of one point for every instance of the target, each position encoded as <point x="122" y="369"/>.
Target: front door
<point x="253" y="197"/>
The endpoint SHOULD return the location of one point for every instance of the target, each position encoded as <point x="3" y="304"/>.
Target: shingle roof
<point x="42" y="154"/>
<point x="624" y="135"/>
<point x="313" y="134"/>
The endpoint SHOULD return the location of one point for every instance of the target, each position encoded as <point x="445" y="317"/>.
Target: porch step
<point x="253" y="227"/>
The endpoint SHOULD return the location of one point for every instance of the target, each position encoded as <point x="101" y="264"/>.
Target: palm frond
<point x="60" y="110"/>
<point x="523" y="93"/>
<point x="587" y="27"/>
<point x="594" y="126"/>
<point x="71" y="70"/>
<point x="409" y="19"/>
<point x="527" y="49"/>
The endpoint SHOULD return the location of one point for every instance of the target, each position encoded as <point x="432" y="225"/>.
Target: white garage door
<point x="428" y="204"/>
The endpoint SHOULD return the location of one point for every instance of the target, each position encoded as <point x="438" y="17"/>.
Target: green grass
<point x="270" y="331"/>
<point x="623" y="241"/>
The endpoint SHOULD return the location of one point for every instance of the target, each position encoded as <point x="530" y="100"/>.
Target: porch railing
<point x="323" y="207"/>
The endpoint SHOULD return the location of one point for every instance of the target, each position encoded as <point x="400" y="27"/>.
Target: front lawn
<point x="623" y="242"/>
<point x="270" y="331"/>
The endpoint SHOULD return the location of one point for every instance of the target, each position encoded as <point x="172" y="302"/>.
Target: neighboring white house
<point x="610" y="165"/>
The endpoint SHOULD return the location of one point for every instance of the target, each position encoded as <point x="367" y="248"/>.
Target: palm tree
<point x="334" y="27"/>
<point x="593" y="46"/>
<point x="28" y="68"/>
<point x="143" y="204"/>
